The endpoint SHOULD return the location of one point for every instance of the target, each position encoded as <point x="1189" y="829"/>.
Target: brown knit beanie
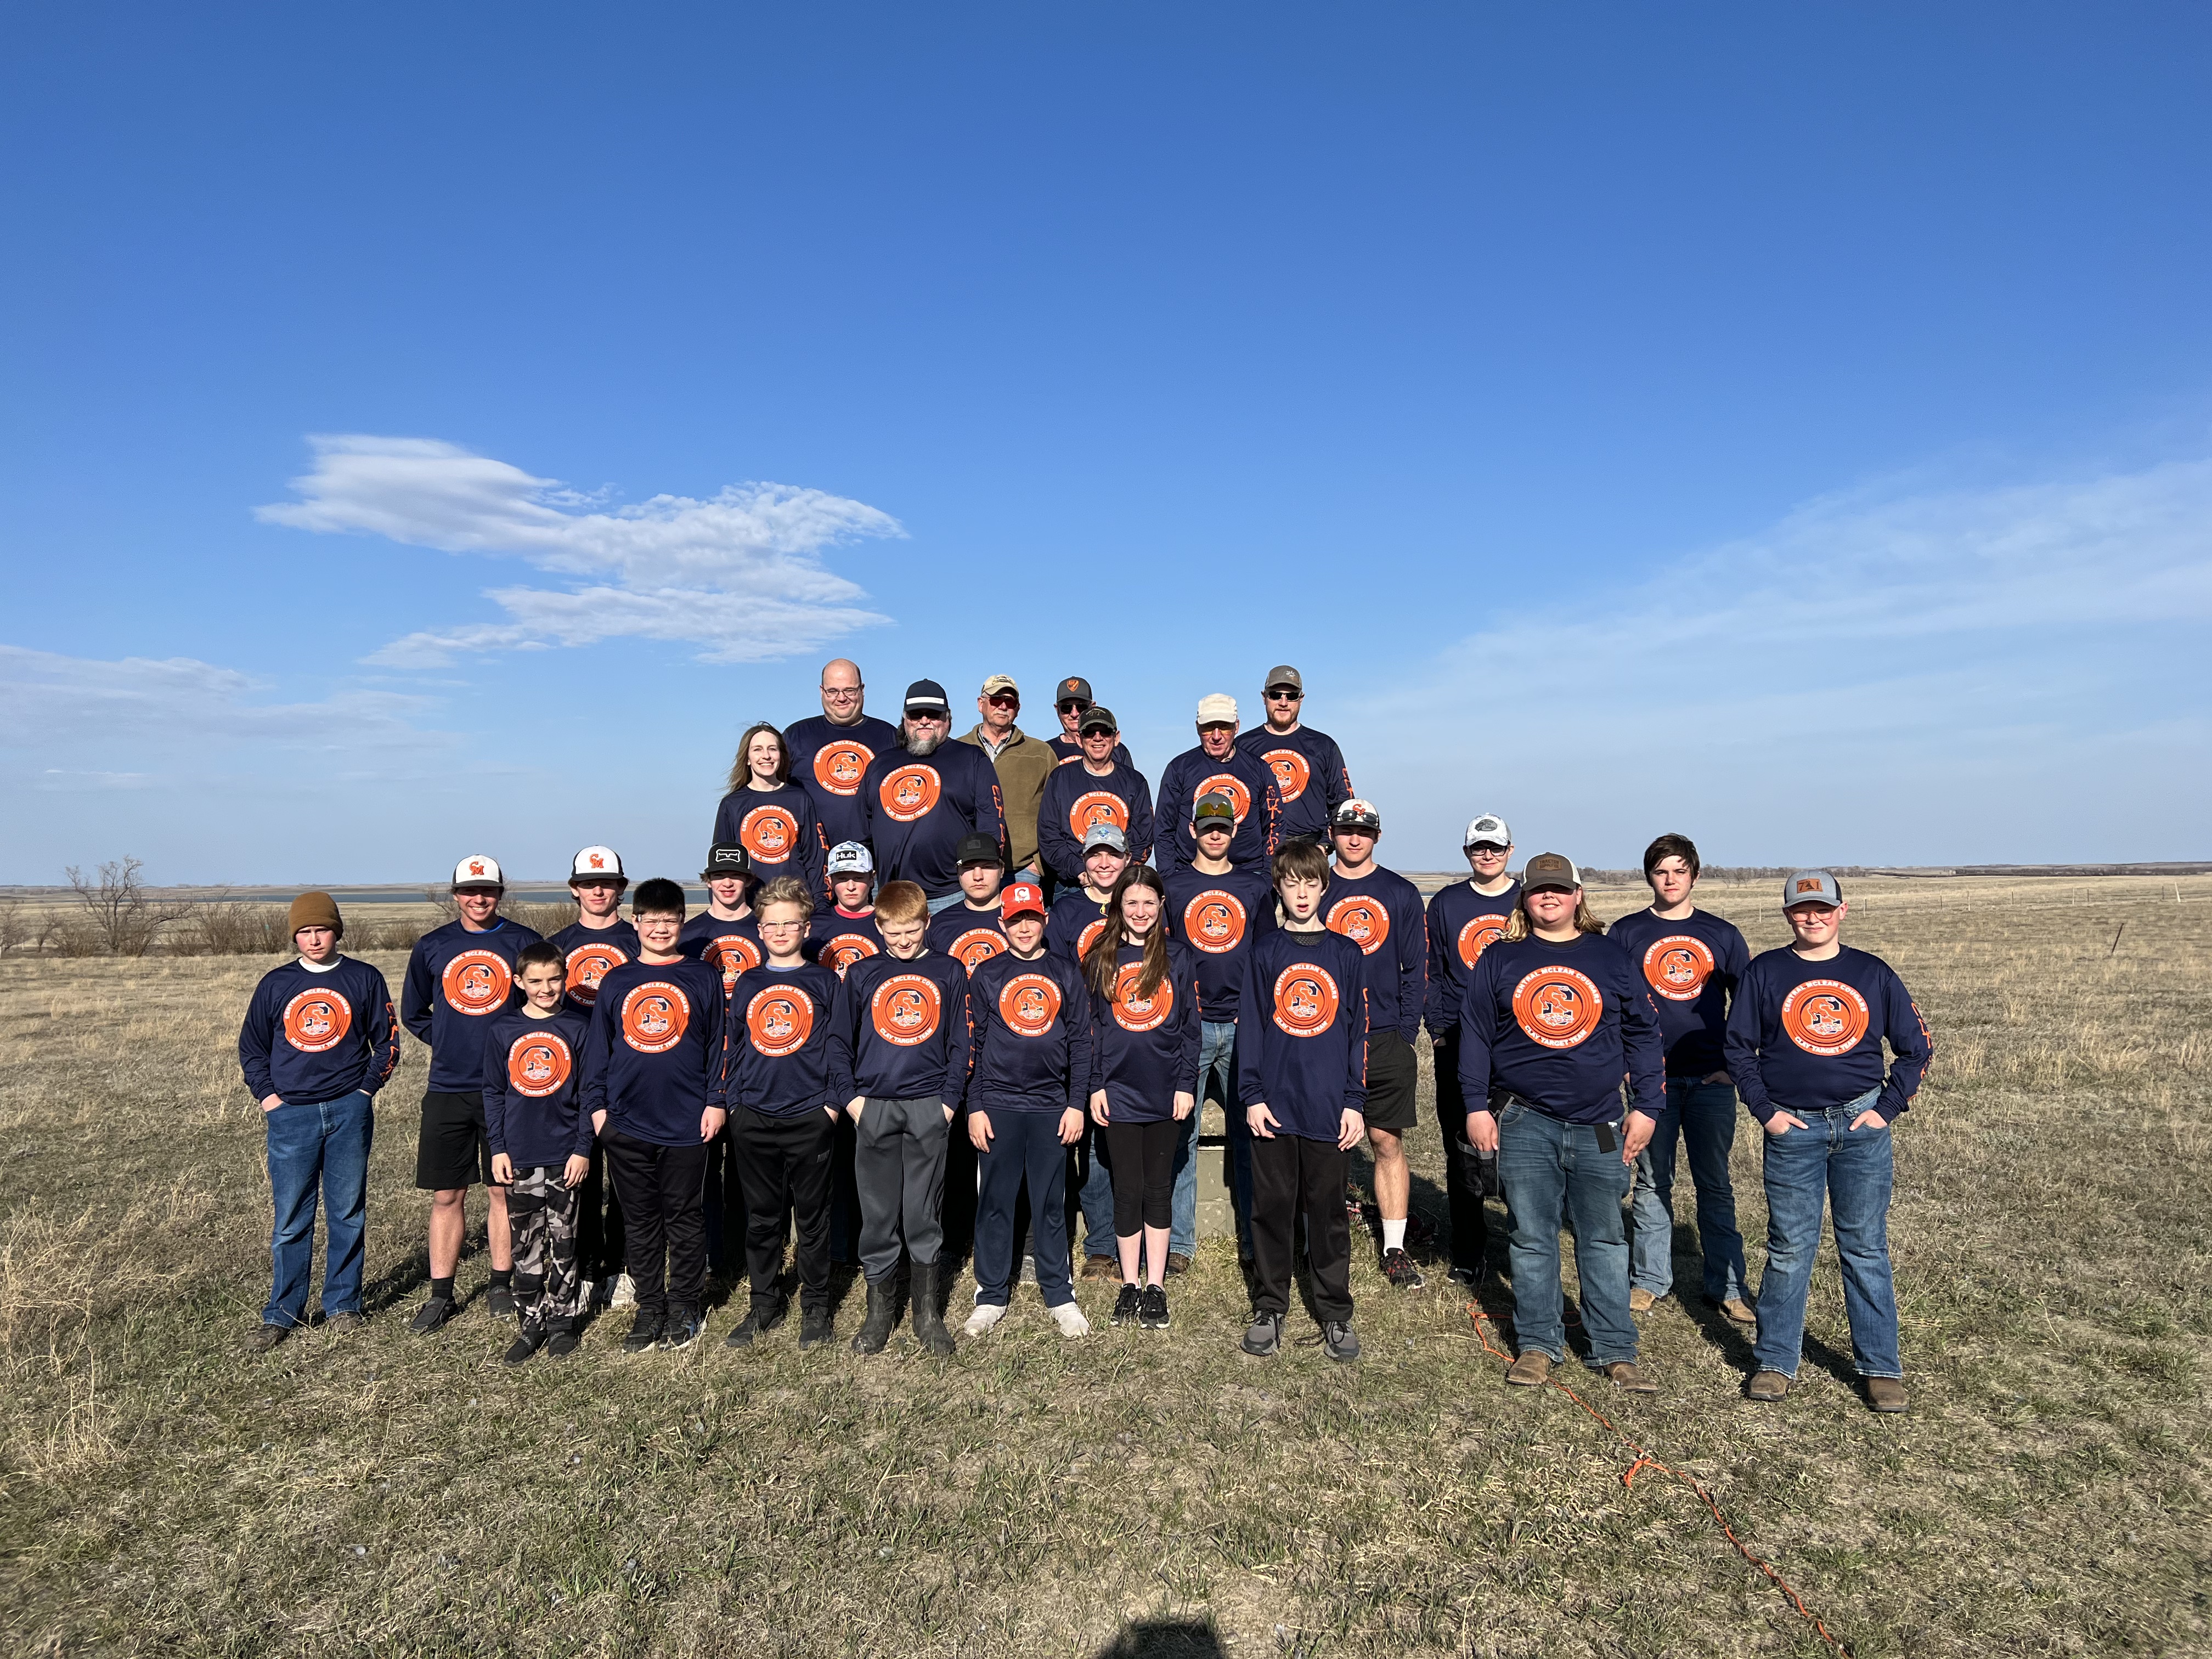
<point x="316" y="910"/>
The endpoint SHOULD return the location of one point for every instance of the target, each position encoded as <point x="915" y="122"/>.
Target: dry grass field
<point x="1134" y="1493"/>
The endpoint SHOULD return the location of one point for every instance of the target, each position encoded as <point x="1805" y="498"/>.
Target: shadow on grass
<point x="1163" y="1638"/>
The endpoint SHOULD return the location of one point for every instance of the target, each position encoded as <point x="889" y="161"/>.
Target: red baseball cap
<point x="1023" y="896"/>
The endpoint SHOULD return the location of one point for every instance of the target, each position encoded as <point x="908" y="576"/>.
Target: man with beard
<point x="926" y="796"/>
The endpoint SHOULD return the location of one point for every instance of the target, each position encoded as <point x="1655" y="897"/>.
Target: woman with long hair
<point x="768" y="815"/>
<point x="1145" y="1019"/>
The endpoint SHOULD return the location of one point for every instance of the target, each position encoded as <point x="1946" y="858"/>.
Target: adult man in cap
<point x="1073" y="703"/>
<point x="593" y="945"/>
<point x="1308" y="768"/>
<point x="830" y="752"/>
<point x="926" y="794"/>
<point x="1219" y="765"/>
<point x="1023" y="764"/>
<point x="1098" y="789"/>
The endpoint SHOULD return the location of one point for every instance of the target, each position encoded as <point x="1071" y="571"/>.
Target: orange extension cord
<point x="1645" y="1461"/>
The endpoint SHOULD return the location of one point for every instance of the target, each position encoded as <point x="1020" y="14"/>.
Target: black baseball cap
<point x="726" y="858"/>
<point x="1073" y="688"/>
<point x="1097" y="717"/>
<point x="979" y="848"/>
<point x="928" y="695"/>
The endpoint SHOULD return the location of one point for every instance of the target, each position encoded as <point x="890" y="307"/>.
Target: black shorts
<point x="1393" y="1083"/>
<point x="453" y="1150"/>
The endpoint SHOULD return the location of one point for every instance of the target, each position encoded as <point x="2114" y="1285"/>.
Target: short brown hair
<point x="901" y="901"/>
<point x="1302" y="860"/>
<point x="786" y="889"/>
<point x="1671" y="846"/>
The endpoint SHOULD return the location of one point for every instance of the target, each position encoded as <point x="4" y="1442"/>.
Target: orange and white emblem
<point x="1825" y="1016"/>
<point x="1229" y="784"/>
<point x="654" y="1017"/>
<point x="1292" y="771"/>
<point x="770" y="834"/>
<point x="316" y="1022"/>
<point x="734" y="954"/>
<point x="839" y="766"/>
<point x="1678" y="966"/>
<point x="1083" y="941"/>
<point x="1479" y="935"/>
<point x="1306" y="999"/>
<point x="1557" y="1006"/>
<point x="1214" y="922"/>
<point x="905" y="1009"/>
<point x="1134" y="1013"/>
<point x="909" y="791"/>
<point x="1097" y="806"/>
<point x="477" y="982"/>
<point x="977" y="946"/>
<point x="841" y="951"/>
<point x="599" y="860"/>
<point x="1363" y="920"/>
<point x="539" y="1063"/>
<point x="779" y="1020"/>
<point x="1029" y="1003"/>
<point x="587" y="965"/>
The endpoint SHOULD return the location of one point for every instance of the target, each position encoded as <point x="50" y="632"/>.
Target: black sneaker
<point x="1400" y="1269"/>
<point x="526" y="1345"/>
<point x="760" y="1319"/>
<point x="644" y="1332"/>
<point x="1263" y="1337"/>
<point x="432" y="1316"/>
<point x="1153" y="1307"/>
<point x="682" y="1329"/>
<point x="564" y="1342"/>
<point x="499" y="1301"/>
<point x="1127" y="1304"/>
<point x="813" y="1327"/>
<point x="1338" y="1340"/>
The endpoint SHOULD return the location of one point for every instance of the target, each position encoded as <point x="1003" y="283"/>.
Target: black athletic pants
<point x="1141" y="1156"/>
<point x="785" y="1161"/>
<point x="661" y="1189"/>
<point x="1470" y="1226"/>
<point x="1291" y="1174"/>
<point x="598" y="1222"/>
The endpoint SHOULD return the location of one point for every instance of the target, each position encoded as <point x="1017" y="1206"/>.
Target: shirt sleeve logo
<point x="477" y="982"/>
<point x="1292" y="771"/>
<point x="1134" y="1013"/>
<point x="1097" y="806"/>
<point x="841" y="951"/>
<point x="1229" y="784"/>
<point x="1478" y="936"/>
<point x="779" y="1020"/>
<point x="905" y="1010"/>
<point x="654" y="1017"/>
<point x="1678" y="966"/>
<point x="1557" y="1006"/>
<point x="770" y="834"/>
<point x="1214" y="922"/>
<point x="1363" y="920"/>
<point x="538" y="1064"/>
<point x="839" y="765"/>
<point x="1030" y="1004"/>
<point x="316" y="1022"/>
<point x="977" y="946"/>
<point x="1305" y="999"/>
<point x="587" y="965"/>
<point x="1825" y="1016"/>
<point x="909" y="791"/>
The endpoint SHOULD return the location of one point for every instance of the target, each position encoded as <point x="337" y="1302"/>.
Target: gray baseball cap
<point x="1550" y="870"/>
<point x="1283" y="674"/>
<point x="1488" y="829"/>
<point x="1812" y="887"/>
<point x="1105" y="834"/>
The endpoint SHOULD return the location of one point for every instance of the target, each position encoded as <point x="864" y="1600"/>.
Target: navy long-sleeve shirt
<point x="1309" y="774"/>
<point x="837" y="941"/>
<point x="1144" y="1050"/>
<point x="780" y="1042"/>
<point x="311" y="1036"/>
<point x="534" y="1088"/>
<point x="456" y="980"/>
<point x="1029" y="1035"/>
<point x="1218" y="917"/>
<point x="591" y="953"/>
<point x="1462" y="924"/>
<point x="899" y="1030"/>
<point x="1560" y="1025"/>
<point x="728" y="947"/>
<point x="1075" y="798"/>
<point x="779" y="831"/>
<point x="968" y="935"/>
<point x="1380" y="913"/>
<point x="1302" y="1033"/>
<point x="1248" y="781"/>
<point x="1076" y="920"/>
<point x="829" y="761"/>
<point x="653" y="1056"/>
<point x="1806" y="1036"/>
<point x="1692" y="966"/>
<point x="920" y="806"/>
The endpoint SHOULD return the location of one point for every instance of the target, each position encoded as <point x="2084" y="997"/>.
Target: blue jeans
<point x="1023" y="1145"/>
<point x="1217" y="1069"/>
<point x="1554" y="1176"/>
<point x="1704" y="1116"/>
<point x="947" y="902"/>
<point x="1096" y="1198"/>
<point x="1853" y="1168"/>
<point x="325" y="1145"/>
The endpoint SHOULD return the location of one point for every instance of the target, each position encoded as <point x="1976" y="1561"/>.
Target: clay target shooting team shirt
<point x="1218" y="917"/>
<point x="1692" y="966"/>
<point x="1560" y="1025"/>
<point x="837" y="941"/>
<point x="312" y="1035"/>
<point x="1462" y="925"/>
<point x="592" y="953"/>
<point x="779" y="1039"/>
<point x="1250" y="786"/>
<point x="830" y="761"/>
<point x="1075" y="798"/>
<point x="1310" y="776"/>
<point x="1302" y="1030"/>
<point x="920" y="806"/>
<point x="1029" y="1035"/>
<point x="654" y="1055"/>
<point x="534" y="1088"/>
<point x="779" y="831"/>
<point x="1380" y="913"/>
<point x="967" y="934"/>
<point x="1806" y="1036"/>
<point x="899" y="1029"/>
<point x="457" y="981"/>
<point x="1144" y="1048"/>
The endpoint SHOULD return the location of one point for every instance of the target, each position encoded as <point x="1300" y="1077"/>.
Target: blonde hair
<point x="1520" y="927"/>
<point x="786" y="889"/>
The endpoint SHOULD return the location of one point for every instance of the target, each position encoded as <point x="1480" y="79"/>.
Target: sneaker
<point x="1399" y="1268"/>
<point x="986" y="1315"/>
<point x="682" y="1328"/>
<point x="1153" y="1307"/>
<point x="564" y="1342"/>
<point x="1531" y="1370"/>
<point x="1263" y="1337"/>
<point x="526" y="1345"/>
<point x="1885" y="1394"/>
<point x="1355" y="1213"/>
<point x="338" y="1323"/>
<point x="760" y="1319"/>
<point x="270" y="1336"/>
<point x="432" y="1316"/>
<point x="644" y="1333"/>
<point x="1624" y="1375"/>
<point x="1737" y="1311"/>
<point x="499" y="1301"/>
<point x="1640" y="1300"/>
<point x="1028" y="1269"/>
<point x="1069" y="1318"/>
<point x="622" y="1291"/>
<point x="813" y="1327"/>
<point x="1767" y="1387"/>
<point x="1177" y="1263"/>
<point x="1464" y="1276"/>
<point x="1338" y="1340"/>
<point x="1127" y="1304"/>
<point x="1101" y="1267"/>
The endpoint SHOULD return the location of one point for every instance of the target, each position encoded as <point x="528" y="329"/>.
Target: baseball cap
<point x="1023" y="898"/>
<point x="1215" y="707"/>
<point x="1550" y="870"/>
<point x="595" y="861"/>
<point x="1105" y="834"/>
<point x="1283" y="674"/>
<point x="1214" y="805"/>
<point x="850" y="858"/>
<point x="1812" y="887"/>
<point x="1073" y="688"/>
<point x="478" y="870"/>
<point x="1358" y="814"/>
<point x="1488" y="829"/>
<point x="999" y="683"/>
<point x="1097" y="717"/>
<point x="979" y="848"/>
<point x="725" y="859"/>
<point x="928" y="696"/>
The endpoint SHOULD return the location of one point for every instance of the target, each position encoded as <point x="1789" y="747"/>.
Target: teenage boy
<point x="725" y="935"/>
<point x="1073" y="703"/>
<point x="1465" y="919"/>
<point x="459" y="977"/>
<point x="1379" y="911"/>
<point x="847" y="931"/>
<point x="1804" y="1047"/>
<point x="898" y="1041"/>
<point x="1099" y="789"/>
<point x="1691" y="960"/>
<point x="971" y="931"/>
<point x="1218" y="766"/>
<point x="1302" y="1066"/>
<point x="597" y="941"/>
<point x="1218" y="909"/>
<point x="783" y="1110"/>
<point x="1308" y="768"/>
<point x="924" y="797"/>
<point x="1029" y="1017"/>
<point x="318" y="1041"/>
<point x="1078" y="915"/>
<point x="1022" y="762"/>
<point x="831" y="752"/>
<point x="1556" y="1017"/>
<point x="653" y="1085"/>
<point x="541" y="1144"/>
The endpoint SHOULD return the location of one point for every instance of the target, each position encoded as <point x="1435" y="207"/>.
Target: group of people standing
<point x="1008" y="959"/>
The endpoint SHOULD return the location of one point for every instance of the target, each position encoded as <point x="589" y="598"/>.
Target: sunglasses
<point x="926" y="715"/>
<point x="1286" y="696"/>
<point x="1004" y="700"/>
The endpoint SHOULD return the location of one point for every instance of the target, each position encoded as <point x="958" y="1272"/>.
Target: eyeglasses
<point x="842" y="692"/>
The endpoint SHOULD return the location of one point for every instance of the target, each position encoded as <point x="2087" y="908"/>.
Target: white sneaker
<point x="1029" y="1271"/>
<point x="1069" y="1318"/>
<point x="622" y="1291"/>
<point x="986" y="1315"/>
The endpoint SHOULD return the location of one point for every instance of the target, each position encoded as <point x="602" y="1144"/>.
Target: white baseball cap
<point x="600" y="861"/>
<point x="1488" y="827"/>
<point x="1216" y="706"/>
<point x="478" y="870"/>
<point x="850" y="858"/>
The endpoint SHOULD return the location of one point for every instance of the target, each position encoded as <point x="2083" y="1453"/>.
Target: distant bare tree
<point x="12" y="930"/>
<point x="122" y="916"/>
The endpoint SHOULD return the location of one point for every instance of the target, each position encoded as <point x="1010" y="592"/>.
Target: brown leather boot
<point x="1737" y="1311"/>
<point x="1531" y="1370"/>
<point x="1886" y="1393"/>
<point x="1624" y="1375"/>
<point x="1767" y="1387"/>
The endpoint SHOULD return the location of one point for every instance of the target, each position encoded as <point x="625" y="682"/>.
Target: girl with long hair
<point x="768" y="815"/>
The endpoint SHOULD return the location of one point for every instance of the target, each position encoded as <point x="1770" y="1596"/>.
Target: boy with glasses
<point x="1310" y="771"/>
<point x="923" y="798"/>
<point x="1465" y="919"/>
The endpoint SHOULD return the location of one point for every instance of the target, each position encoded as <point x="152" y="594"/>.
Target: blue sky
<point x="1789" y="426"/>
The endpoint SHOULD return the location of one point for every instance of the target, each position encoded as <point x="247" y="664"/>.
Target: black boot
<point x="561" y="1338"/>
<point x="928" y="1318"/>
<point x="875" y="1328"/>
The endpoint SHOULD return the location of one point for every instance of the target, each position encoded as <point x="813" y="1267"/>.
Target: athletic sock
<point x="1394" y="1234"/>
<point x="443" y="1288"/>
<point x="504" y="1277"/>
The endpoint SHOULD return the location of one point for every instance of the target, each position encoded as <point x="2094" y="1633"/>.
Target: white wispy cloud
<point x="738" y="574"/>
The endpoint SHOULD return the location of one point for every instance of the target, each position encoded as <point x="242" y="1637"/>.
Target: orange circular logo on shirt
<point x="1557" y="1006"/>
<point x="1029" y="1003"/>
<point x="1825" y="1016"/>
<point x="1134" y="1013"/>
<point x="1292" y="771"/>
<point x="779" y="1020"/>
<point x="733" y="953"/>
<point x="1097" y="806"/>
<point x="317" y="1021"/>
<point x="1363" y="920"/>
<point x="905" y="1009"/>
<point x="477" y="981"/>
<point x="1214" y="921"/>
<point x="539" y="1063"/>
<point x="1083" y="941"/>
<point x="587" y="965"/>
<point x="769" y="833"/>
<point x="839" y="765"/>
<point x="1479" y="935"/>
<point x="654" y="1017"/>
<point x="909" y="791"/>
<point x="977" y="946"/>
<point x="1305" y="999"/>
<point x="841" y="951"/>
<point x="1229" y="784"/>
<point x="1678" y="966"/>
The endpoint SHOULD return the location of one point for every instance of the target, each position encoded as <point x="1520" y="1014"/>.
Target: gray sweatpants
<point x="898" y="1165"/>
